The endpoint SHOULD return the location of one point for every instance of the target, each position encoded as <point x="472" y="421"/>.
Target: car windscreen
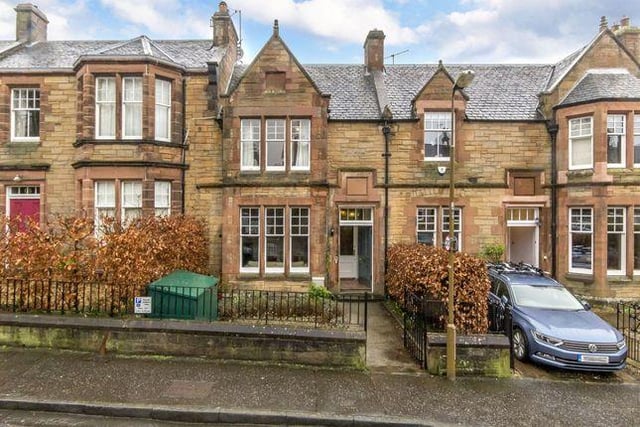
<point x="551" y="297"/>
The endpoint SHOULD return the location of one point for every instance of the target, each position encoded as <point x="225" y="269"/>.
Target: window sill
<point x="105" y="141"/>
<point x="585" y="278"/>
<point x="23" y="142"/>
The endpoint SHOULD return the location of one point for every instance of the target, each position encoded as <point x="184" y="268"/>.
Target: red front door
<point x="25" y="208"/>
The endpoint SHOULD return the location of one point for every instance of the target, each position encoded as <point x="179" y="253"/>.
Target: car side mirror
<point x="586" y="305"/>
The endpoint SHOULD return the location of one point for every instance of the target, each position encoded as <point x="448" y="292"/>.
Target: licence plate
<point x="590" y="358"/>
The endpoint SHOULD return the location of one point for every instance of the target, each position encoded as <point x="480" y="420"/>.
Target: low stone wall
<point x="484" y="355"/>
<point x="186" y="338"/>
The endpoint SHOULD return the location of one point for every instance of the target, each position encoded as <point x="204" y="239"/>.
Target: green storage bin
<point x="184" y="295"/>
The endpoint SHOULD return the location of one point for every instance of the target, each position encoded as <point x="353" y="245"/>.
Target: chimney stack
<point x="374" y="51"/>
<point x="31" y="24"/>
<point x="224" y="32"/>
<point x="624" y="22"/>
<point x="629" y="36"/>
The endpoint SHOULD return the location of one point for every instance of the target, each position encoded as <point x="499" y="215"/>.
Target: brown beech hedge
<point x="424" y="270"/>
<point x="67" y="249"/>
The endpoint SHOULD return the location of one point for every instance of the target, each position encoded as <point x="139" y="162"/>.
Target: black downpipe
<point x="184" y="144"/>
<point x="552" y="128"/>
<point x="386" y="131"/>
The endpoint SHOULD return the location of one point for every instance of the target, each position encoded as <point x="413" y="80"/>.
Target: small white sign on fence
<point x="142" y="305"/>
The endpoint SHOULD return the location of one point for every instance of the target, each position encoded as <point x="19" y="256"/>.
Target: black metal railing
<point x="61" y="297"/>
<point x="501" y="322"/>
<point x="421" y="316"/>
<point x="184" y="302"/>
<point x="627" y="323"/>
<point x="273" y="307"/>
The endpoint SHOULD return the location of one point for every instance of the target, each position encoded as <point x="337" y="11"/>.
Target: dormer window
<point x="437" y="135"/>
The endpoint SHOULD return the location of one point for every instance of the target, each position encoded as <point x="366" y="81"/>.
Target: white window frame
<point x="163" y="103"/>
<point x="298" y="228"/>
<point x="274" y="230"/>
<point x="636" y="237"/>
<point x="100" y="103"/>
<point x="426" y="223"/>
<point x="162" y="198"/>
<point x="436" y="122"/>
<point x="250" y="213"/>
<point x="636" y="139"/>
<point x="616" y="128"/>
<point x="275" y="133"/>
<point x="583" y="227"/>
<point x="617" y="224"/>
<point x="457" y="227"/>
<point x="580" y="133"/>
<point x="103" y="202"/>
<point x="130" y="103"/>
<point x="130" y="199"/>
<point x="250" y="132"/>
<point x="28" y="100"/>
<point x="301" y="136"/>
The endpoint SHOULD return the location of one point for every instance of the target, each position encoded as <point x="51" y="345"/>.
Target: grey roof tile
<point x="63" y="54"/>
<point x="353" y="93"/>
<point x="605" y="84"/>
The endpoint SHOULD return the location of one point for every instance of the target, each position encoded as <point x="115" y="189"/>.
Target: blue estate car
<point x="550" y="325"/>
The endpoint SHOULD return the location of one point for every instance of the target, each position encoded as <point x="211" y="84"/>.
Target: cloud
<point x="336" y="20"/>
<point x="523" y="31"/>
<point x="7" y="21"/>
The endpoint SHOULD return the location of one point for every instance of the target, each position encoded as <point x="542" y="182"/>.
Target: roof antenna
<point x="240" y="53"/>
<point x="393" y="56"/>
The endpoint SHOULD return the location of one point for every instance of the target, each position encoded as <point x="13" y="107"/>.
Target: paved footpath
<point x="392" y="392"/>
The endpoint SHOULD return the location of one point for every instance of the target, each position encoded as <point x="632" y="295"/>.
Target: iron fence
<point x="421" y="316"/>
<point x="272" y="307"/>
<point x="184" y="302"/>
<point x="627" y="323"/>
<point x="501" y="322"/>
<point x="60" y="296"/>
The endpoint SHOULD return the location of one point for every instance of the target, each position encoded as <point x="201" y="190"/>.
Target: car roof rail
<point x="511" y="267"/>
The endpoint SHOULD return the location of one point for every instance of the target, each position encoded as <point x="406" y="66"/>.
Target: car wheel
<point x="520" y="346"/>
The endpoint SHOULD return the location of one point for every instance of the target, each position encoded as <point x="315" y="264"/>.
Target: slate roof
<point x="603" y="84"/>
<point x="57" y="55"/>
<point x="498" y="92"/>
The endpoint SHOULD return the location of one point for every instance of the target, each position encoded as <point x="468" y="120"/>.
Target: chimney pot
<point x="31" y="23"/>
<point x="603" y="23"/>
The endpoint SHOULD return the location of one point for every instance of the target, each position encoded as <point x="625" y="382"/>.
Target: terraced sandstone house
<point x="307" y="173"/>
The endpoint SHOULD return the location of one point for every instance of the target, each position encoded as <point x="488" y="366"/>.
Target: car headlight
<point x="621" y="345"/>
<point x="546" y="339"/>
